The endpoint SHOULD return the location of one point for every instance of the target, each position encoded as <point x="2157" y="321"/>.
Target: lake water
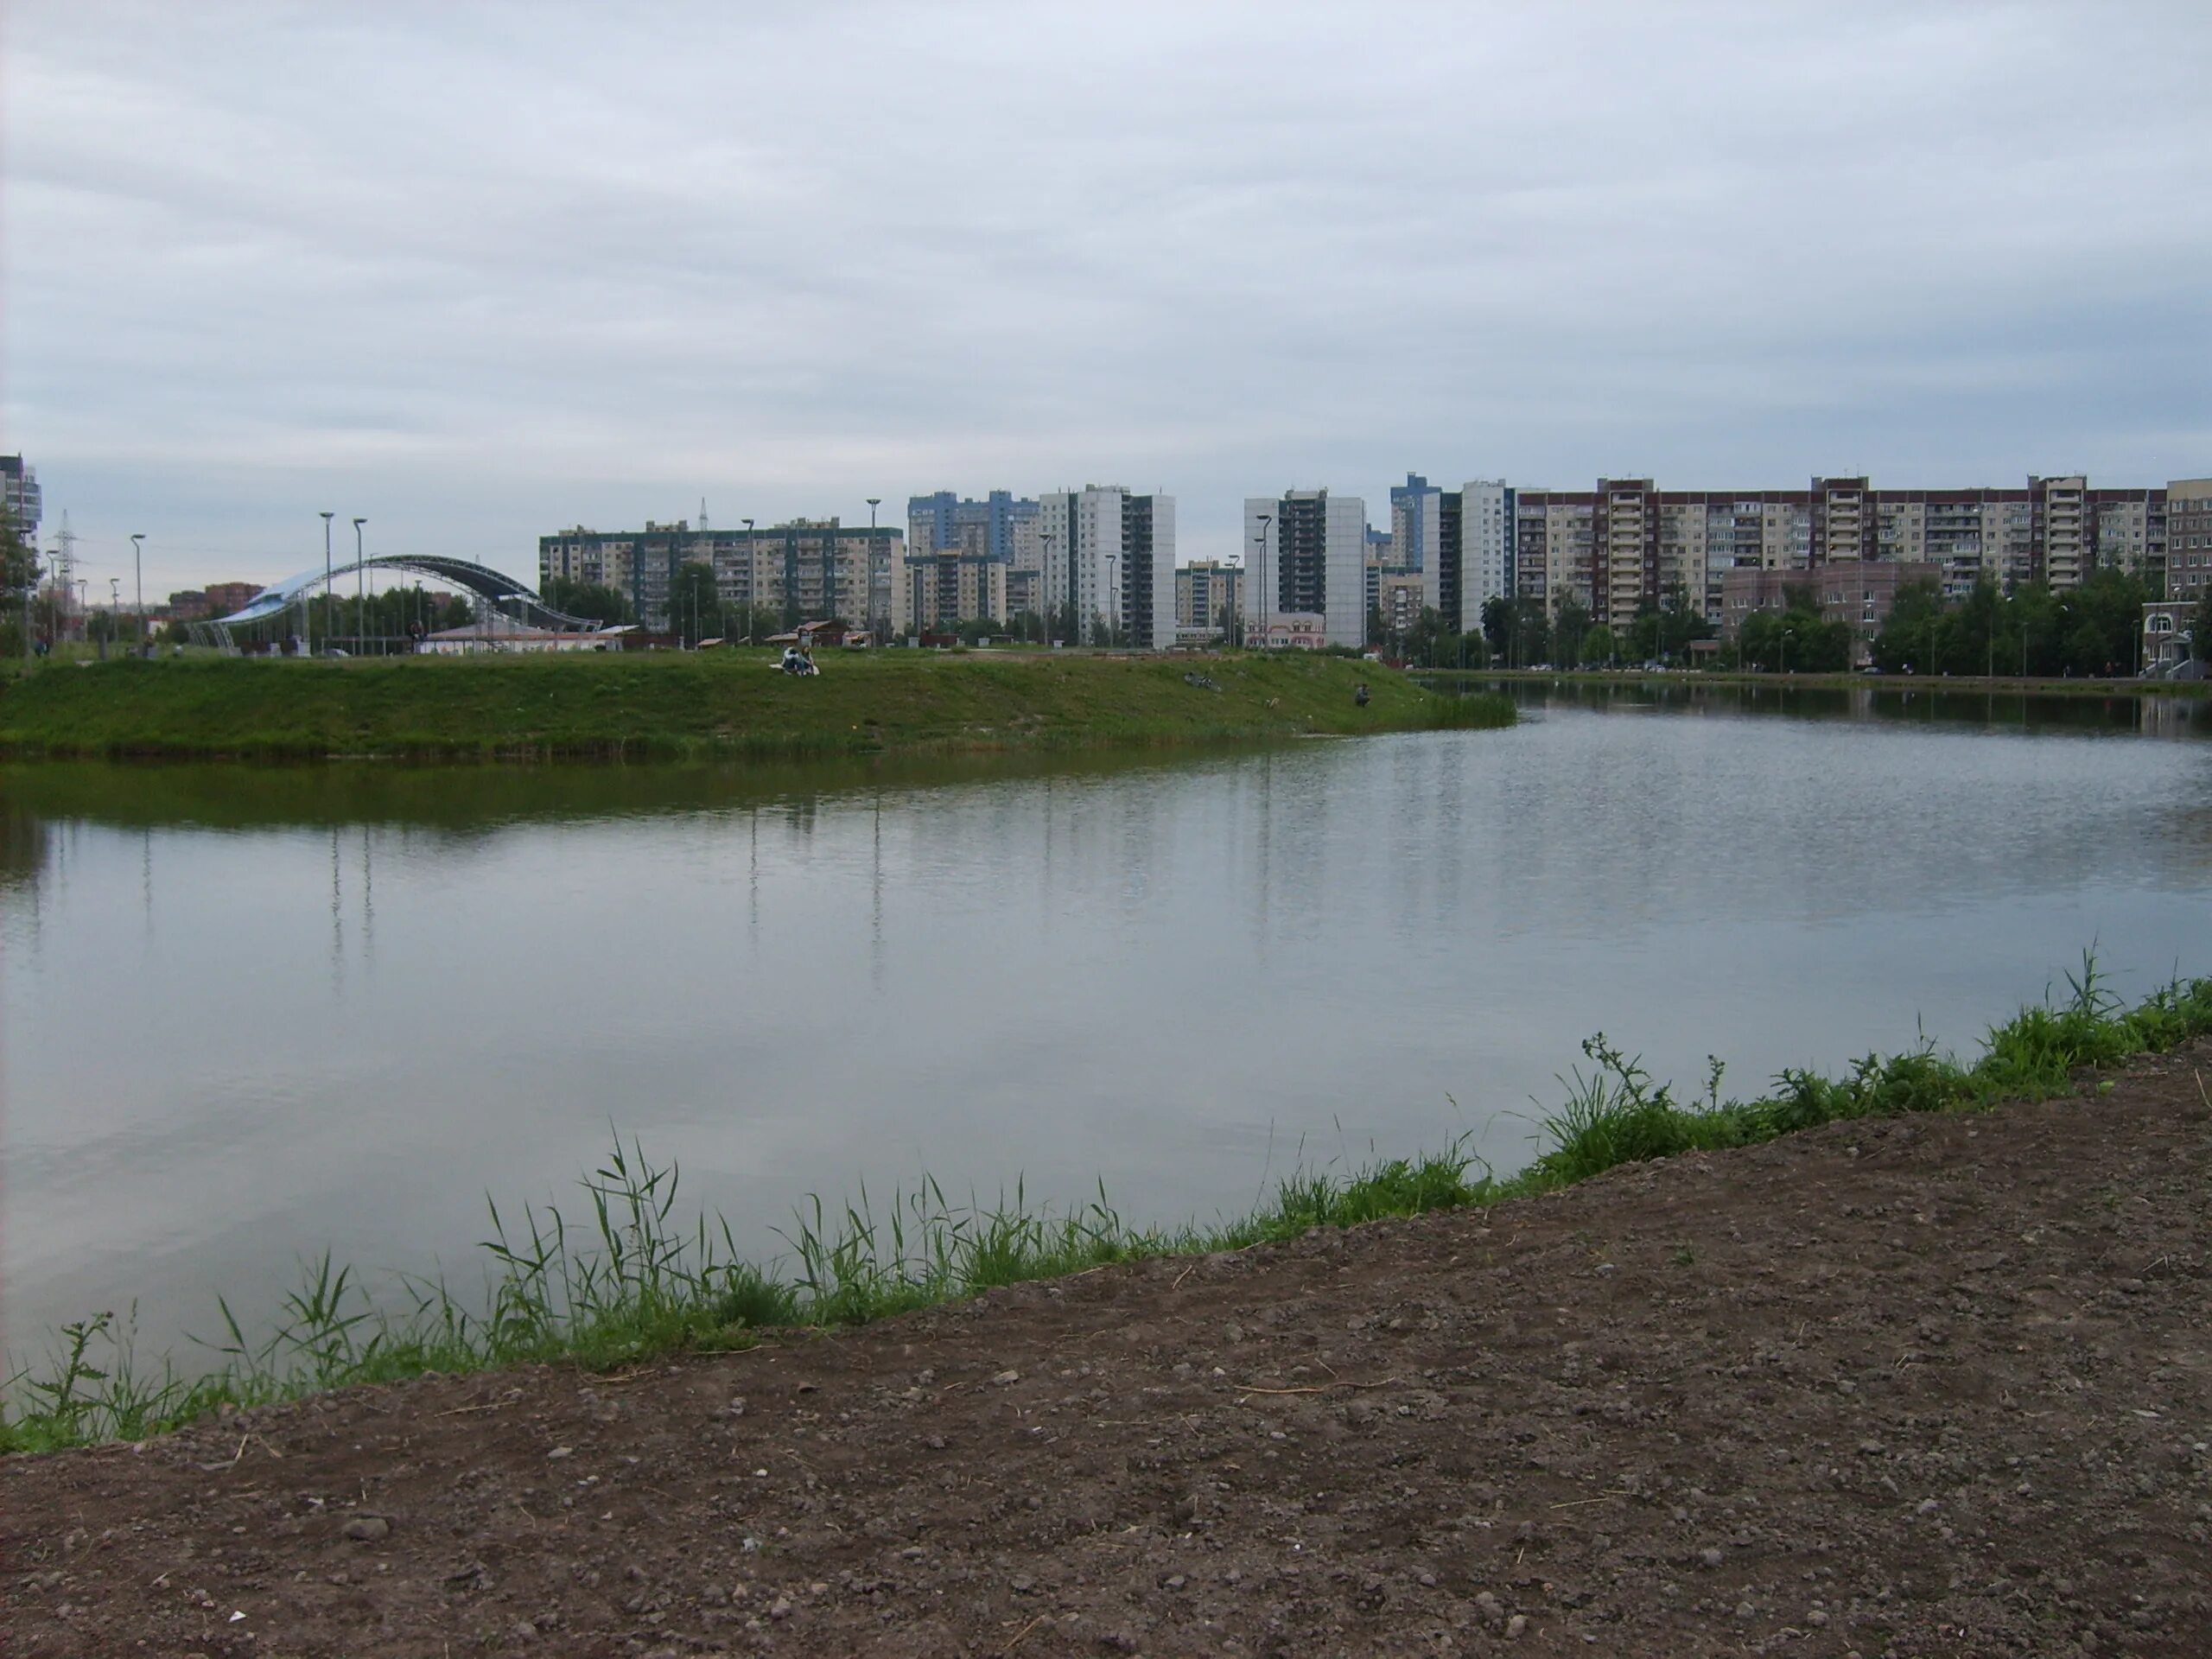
<point x="249" y="1015"/>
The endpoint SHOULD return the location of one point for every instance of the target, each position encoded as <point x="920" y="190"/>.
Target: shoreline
<point x="1964" y="685"/>
<point x="647" y="1286"/>
<point x="713" y="705"/>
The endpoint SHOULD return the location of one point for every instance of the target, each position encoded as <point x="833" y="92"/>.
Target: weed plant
<point x="629" y="1281"/>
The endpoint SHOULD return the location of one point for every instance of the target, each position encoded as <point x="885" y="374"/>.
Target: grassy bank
<point x="2009" y="684"/>
<point x="627" y="1279"/>
<point x="717" y="704"/>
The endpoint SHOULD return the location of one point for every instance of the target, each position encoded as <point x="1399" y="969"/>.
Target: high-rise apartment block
<point x="809" y="570"/>
<point x="1108" y="559"/>
<point x="1416" y="524"/>
<point x="1308" y="559"/>
<point x="968" y="560"/>
<point x="19" y="497"/>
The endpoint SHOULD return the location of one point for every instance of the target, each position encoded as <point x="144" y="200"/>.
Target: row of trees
<point x="2092" y="629"/>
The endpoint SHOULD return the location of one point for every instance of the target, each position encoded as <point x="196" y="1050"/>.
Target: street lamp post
<point x="1044" y="632"/>
<point x="329" y="615"/>
<point x="1114" y="597"/>
<point x="360" y="589"/>
<point x="874" y="502"/>
<point x="114" y="604"/>
<point x="752" y="598"/>
<point x="139" y="579"/>
<point x="1259" y="565"/>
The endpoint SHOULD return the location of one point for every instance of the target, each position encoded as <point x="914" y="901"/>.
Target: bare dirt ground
<point x="1924" y="1387"/>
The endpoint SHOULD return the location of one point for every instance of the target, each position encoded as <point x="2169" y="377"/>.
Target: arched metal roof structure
<point x="481" y="580"/>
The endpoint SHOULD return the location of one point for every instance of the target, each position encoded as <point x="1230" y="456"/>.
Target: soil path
<point x="1927" y="1387"/>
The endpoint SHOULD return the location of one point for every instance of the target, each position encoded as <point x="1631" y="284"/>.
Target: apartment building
<point x="1109" y="554"/>
<point x="1459" y="542"/>
<point x="1627" y="545"/>
<point x="968" y="552"/>
<point x="1309" y="553"/>
<point x="961" y="556"/>
<point x="1416" y="525"/>
<point x="1399" y="599"/>
<point x="216" y="599"/>
<point x="19" y="497"/>
<point x="1208" y="595"/>
<point x="2188" y="539"/>
<point x="808" y="569"/>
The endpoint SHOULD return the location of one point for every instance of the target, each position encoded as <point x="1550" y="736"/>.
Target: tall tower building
<point x="1308" y="559"/>
<point x="1109" y="558"/>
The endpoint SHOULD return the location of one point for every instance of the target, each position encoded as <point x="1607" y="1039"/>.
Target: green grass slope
<point x="716" y="703"/>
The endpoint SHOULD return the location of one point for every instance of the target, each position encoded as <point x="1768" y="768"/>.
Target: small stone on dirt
<point x="367" y="1528"/>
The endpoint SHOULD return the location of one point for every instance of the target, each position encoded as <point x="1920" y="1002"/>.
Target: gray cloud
<point x="480" y="271"/>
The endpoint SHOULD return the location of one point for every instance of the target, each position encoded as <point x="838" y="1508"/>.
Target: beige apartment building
<point x="2188" y="538"/>
<point x="948" y="588"/>
<point x="1208" y="595"/>
<point x="1627" y="544"/>
<point x="807" y="570"/>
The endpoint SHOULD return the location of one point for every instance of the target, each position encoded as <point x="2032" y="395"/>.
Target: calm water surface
<point x="248" y="1015"/>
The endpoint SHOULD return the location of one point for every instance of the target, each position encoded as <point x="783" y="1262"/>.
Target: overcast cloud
<point x="479" y="271"/>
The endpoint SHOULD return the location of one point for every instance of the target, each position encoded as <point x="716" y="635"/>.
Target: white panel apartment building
<point x="1307" y="551"/>
<point x="1110" y="556"/>
<point x="1485" y="549"/>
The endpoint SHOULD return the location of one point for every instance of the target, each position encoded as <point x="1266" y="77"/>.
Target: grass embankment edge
<point x="631" y="1283"/>
<point x="2008" y="684"/>
<point x="725" y="705"/>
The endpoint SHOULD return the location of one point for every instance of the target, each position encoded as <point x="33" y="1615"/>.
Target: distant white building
<point x="1307" y="554"/>
<point x="1485" y="549"/>
<point x="1109" y="555"/>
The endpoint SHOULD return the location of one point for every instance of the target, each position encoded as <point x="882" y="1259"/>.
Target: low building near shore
<point x="1858" y="593"/>
<point x="1288" y="631"/>
<point x="498" y="632"/>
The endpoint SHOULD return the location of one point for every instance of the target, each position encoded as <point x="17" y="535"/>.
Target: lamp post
<point x="114" y="604"/>
<point x="329" y="616"/>
<point x="360" y="588"/>
<point x="875" y="501"/>
<point x="138" y="579"/>
<point x="82" y="611"/>
<point x="1044" y="632"/>
<point x="751" y="600"/>
<point x="1259" y="566"/>
<point x="1113" y="597"/>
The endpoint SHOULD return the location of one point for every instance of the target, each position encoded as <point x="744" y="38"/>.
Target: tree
<point x="606" y="605"/>
<point x="1599" y="648"/>
<point x="1570" y="621"/>
<point x="1664" y="633"/>
<point x="1795" y="640"/>
<point x="1497" y="620"/>
<point x="2101" y="622"/>
<point x="2200" y="629"/>
<point x="1907" y="633"/>
<point x="18" y="581"/>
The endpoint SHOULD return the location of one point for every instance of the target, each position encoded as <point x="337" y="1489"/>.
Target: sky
<point x="477" y="272"/>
